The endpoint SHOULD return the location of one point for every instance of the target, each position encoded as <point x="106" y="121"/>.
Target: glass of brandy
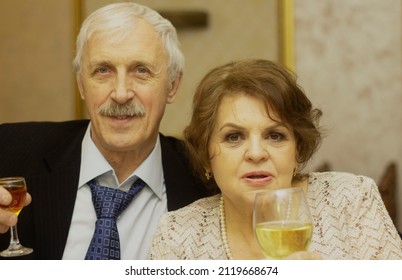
<point x="17" y="188"/>
<point x="282" y="222"/>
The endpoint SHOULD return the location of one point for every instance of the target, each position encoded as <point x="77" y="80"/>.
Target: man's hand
<point x="7" y="218"/>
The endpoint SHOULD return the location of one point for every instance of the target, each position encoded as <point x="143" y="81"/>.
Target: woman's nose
<point x="256" y="151"/>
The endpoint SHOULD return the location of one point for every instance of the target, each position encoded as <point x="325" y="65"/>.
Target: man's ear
<point x="80" y="86"/>
<point x="174" y="87"/>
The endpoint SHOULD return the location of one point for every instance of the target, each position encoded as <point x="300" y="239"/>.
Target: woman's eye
<point x="275" y="136"/>
<point x="233" y="137"/>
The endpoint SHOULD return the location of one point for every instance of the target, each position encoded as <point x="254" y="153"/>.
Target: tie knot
<point x="109" y="202"/>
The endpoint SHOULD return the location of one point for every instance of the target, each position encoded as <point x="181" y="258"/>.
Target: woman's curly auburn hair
<point x="265" y="80"/>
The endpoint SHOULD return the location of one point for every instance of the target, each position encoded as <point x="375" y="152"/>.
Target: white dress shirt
<point x="137" y="224"/>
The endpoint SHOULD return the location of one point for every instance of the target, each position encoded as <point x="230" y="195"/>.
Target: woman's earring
<point x="295" y="171"/>
<point x="208" y="175"/>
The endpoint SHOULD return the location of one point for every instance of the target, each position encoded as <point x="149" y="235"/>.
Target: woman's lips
<point x="257" y="178"/>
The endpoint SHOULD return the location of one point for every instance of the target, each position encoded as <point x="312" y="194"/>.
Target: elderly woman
<point x="253" y="129"/>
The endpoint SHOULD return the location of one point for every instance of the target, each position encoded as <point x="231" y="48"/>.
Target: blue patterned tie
<point x="109" y="204"/>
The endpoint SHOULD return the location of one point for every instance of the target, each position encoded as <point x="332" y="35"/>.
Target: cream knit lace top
<point x="349" y="219"/>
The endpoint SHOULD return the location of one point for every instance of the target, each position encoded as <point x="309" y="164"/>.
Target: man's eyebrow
<point x="98" y="63"/>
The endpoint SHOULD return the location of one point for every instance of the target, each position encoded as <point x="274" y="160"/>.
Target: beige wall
<point x="348" y="57"/>
<point x="35" y="55"/>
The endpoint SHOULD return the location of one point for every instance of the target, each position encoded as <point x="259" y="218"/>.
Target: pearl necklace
<point x="223" y="229"/>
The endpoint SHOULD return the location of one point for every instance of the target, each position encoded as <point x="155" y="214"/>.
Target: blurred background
<point x="347" y="54"/>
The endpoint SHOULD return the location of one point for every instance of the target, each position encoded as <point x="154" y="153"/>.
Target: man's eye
<point x="142" y="70"/>
<point x="102" y="70"/>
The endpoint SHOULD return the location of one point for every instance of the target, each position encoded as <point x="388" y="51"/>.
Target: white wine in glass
<point x="17" y="188"/>
<point x="282" y="222"/>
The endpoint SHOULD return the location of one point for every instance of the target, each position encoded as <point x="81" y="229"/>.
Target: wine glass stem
<point x="14" y="242"/>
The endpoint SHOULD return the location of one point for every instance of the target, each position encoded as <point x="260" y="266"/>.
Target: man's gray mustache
<point x="122" y="110"/>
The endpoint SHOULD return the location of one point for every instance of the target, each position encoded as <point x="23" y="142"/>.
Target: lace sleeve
<point x="191" y="232"/>
<point x="372" y="231"/>
<point x="159" y="249"/>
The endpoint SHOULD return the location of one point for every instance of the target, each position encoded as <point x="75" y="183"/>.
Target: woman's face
<point x="249" y="150"/>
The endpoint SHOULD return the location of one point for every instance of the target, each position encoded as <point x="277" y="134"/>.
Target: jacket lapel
<point x="58" y="188"/>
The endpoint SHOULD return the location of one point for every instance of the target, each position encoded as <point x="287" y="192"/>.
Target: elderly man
<point x="129" y="66"/>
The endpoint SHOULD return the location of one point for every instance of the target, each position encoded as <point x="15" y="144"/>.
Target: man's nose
<point x="122" y="91"/>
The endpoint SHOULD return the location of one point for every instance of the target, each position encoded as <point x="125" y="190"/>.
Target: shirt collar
<point x="94" y="165"/>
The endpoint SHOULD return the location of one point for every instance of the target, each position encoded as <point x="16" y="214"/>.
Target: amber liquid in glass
<point x="17" y="188"/>
<point x="18" y="193"/>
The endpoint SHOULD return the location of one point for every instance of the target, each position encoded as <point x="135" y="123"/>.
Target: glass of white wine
<point x="282" y="222"/>
<point x="17" y="188"/>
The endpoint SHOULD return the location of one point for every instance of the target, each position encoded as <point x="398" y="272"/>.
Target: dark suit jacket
<point x="48" y="155"/>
